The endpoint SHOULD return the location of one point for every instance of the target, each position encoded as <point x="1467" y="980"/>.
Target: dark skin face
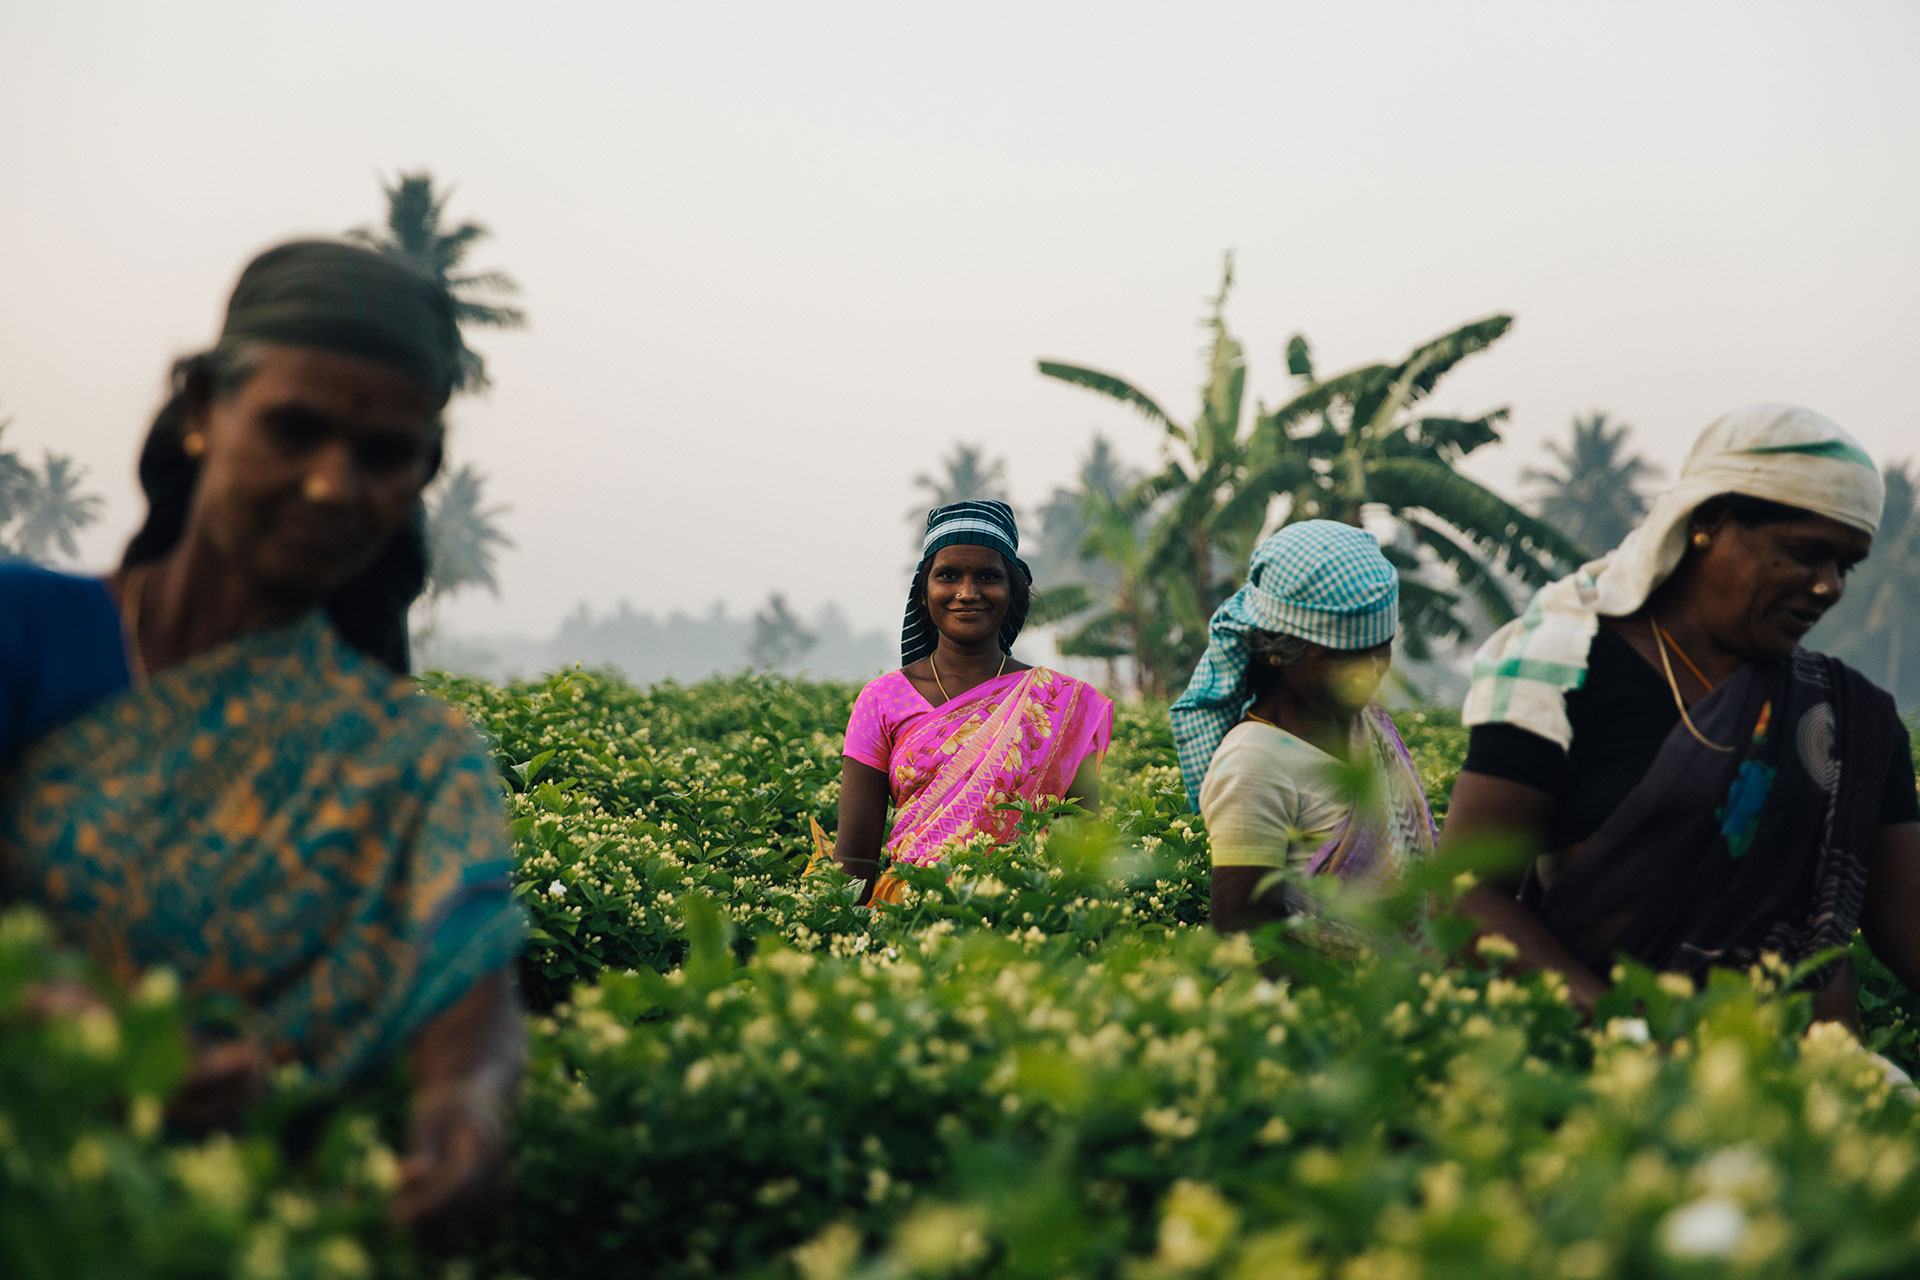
<point x="309" y="468"/>
<point x="968" y="595"/>
<point x="1752" y="594"/>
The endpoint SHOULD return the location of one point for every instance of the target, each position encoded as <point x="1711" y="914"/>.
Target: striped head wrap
<point x="973" y="523"/>
<point x="1778" y="452"/>
<point x="1320" y="580"/>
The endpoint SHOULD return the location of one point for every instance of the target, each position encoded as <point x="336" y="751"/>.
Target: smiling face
<point x="310" y="467"/>
<point x="968" y="593"/>
<point x="1758" y="589"/>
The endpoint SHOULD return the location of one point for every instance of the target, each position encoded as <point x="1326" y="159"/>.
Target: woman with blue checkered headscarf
<point x="963" y="727"/>
<point x="1281" y="702"/>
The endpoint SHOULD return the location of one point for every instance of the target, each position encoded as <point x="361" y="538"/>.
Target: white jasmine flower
<point x="1710" y="1227"/>
<point x="1632" y="1030"/>
<point x="557" y="890"/>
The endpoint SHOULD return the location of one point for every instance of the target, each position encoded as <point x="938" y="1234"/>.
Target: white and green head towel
<point x="1777" y="452"/>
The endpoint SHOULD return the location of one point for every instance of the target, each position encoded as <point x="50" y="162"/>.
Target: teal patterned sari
<point x="282" y="820"/>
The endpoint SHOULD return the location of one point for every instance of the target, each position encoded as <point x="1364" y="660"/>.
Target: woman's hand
<point x="226" y="1079"/>
<point x="455" y="1172"/>
<point x="1494" y="813"/>
<point x="864" y="793"/>
<point x="465" y="1063"/>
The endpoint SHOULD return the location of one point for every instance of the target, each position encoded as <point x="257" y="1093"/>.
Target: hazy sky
<point x="778" y="257"/>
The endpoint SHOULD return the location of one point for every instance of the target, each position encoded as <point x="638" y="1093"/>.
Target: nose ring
<point x="316" y="489"/>
<point x="1822" y="589"/>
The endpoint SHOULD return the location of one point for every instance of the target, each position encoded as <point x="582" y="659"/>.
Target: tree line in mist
<point x="1130" y="565"/>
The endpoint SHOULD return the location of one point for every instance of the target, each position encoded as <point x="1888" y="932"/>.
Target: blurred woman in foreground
<point x="1699" y="789"/>
<point x="1279" y="707"/>
<point x="963" y="727"/>
<point x="214" y="760"/>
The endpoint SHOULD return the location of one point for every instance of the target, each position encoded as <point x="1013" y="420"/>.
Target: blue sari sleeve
<point x="467" y="921"/>
<point x="61" y="650"/>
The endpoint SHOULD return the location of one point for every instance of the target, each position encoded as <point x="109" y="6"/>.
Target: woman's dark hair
<point x="1746" y="511"/>
<point x="1019" y="592"/>
<point x="1268" y="653"/>
<point x="370" y="612"/>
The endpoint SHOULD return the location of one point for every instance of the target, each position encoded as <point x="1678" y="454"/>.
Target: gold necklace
<point x="942" y="685"/>
<point x="1680" y="653"/>
<point x="1263" y="720"/>
<point x="132" y="587"/>
<point x="1666" y="665"/>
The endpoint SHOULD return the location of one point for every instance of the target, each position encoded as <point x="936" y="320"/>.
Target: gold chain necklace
<point x="1263" y="720"/>
<point x="1681" y="654"/>
<point x="1666" y="665"/>
<point x="942" y="685"/>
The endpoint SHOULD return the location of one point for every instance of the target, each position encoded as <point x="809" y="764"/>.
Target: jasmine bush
<point x="1039" y="1064"/>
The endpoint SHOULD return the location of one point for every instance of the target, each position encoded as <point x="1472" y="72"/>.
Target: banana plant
<point x="1370" y="451"/>
<point x="1203" y="511"/>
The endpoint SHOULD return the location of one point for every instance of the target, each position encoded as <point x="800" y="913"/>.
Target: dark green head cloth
<point x="351" y="300"/>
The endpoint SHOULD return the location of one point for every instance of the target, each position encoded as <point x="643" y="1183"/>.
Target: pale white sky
<point x="779" y="256"/>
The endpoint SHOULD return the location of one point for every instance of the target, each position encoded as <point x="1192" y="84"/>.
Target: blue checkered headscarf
<point x="974" y="523"/>
<point x="1320" y="580"/>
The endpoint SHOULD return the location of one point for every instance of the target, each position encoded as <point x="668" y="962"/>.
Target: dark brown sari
<point x="1714" y="859"/>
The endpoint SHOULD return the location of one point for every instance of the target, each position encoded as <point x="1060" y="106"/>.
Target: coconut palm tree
<point x="52" y="510"/>
<point x="463" y="534"/>
<point x="969" y="473"/>
<point x="1065" y="520"/>
<point x="415" y="230"/>
<point x="17" y="482"/>
<point x="1594" y="492"/>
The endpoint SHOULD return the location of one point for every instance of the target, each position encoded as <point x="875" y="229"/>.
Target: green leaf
<point x="1112" y="386"/>
<point x="528" y="772"/>
<point x="1059" y="602"/>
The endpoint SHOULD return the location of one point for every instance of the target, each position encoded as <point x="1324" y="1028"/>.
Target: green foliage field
<point x="1041" y="1064"/>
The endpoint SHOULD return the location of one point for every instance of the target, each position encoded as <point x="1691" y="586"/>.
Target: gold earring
<point x="316" y="489"/>
<point x="1701" y="540"/>
<point x="193" y="444"/>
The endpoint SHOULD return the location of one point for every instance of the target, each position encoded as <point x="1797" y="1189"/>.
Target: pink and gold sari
<point x="1021" y="736"/>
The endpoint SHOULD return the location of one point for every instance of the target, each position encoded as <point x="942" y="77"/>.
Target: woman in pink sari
<point x="963" y="727"/>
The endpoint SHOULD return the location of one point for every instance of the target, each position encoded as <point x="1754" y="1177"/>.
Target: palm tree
<point x="1065" y="520"/>
<point x="17" y="482"/>
<point x="463" y="534"/>
<point x="1878" y="619"/>
<point x="1594" y="496"/>
<point x="52" y="510"/>
<point x="968" y="474"/>
<point x="414" y="231"/>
